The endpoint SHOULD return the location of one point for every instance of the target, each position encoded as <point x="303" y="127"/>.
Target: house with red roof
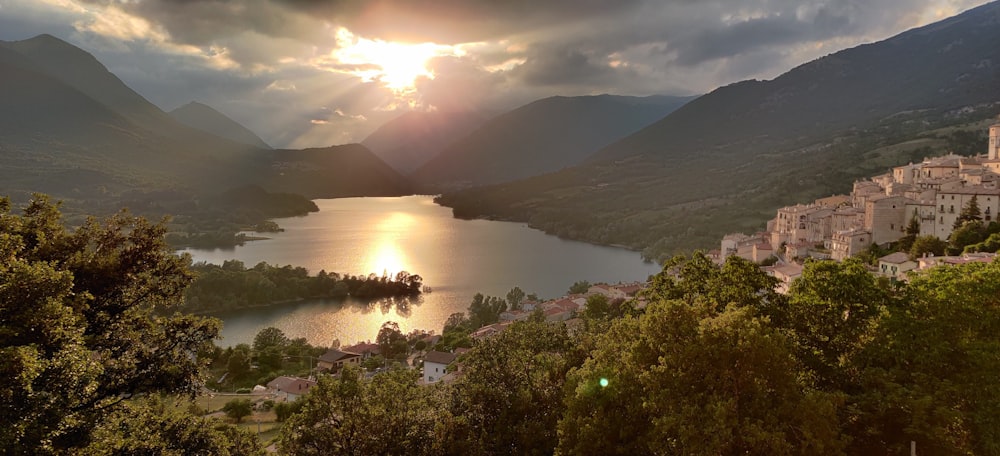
<point x="289" y="388"/>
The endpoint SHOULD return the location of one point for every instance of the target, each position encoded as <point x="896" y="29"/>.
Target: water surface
<point x="456" y="258"/>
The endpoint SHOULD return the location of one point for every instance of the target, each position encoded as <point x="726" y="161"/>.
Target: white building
<point x="896" y="265"/>
<point x="436" y="365"/>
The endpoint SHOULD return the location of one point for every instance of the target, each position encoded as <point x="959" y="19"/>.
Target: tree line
<point x="717" y="363"/>
<point x="232" y="286"/>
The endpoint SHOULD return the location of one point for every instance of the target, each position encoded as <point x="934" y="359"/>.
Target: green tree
<point x="485" y="310"/>
<point x="391" y="341"/>
<point x="970" y="213"/>
<point x="737" y="282"/>
<point x="269" y="338"/>
<point x="597" y="307"/>
<point x="78" y="335"/>
<point x="930" y="373"/>
<point x="373" y="362"/>
<point x="970" y="233"/>
<point x="905" y="243"/>
<point x="514" y="298"/>
<point x="833" y="310"/>
<point x="579" y="287"/>
<point x="237" y="409"/>
<point x="688" y="379"/>
<point x="927" y="245"/>
<point x="269" y="347"/>
<point x="239" y="364"/>
<point x="151" y="426"/>
<point x="990" y="245"/>
<point x="456" y="321"/>
<point x="347" y="415"/>
<point x="284" y="410"/>
<point x="510" y="393"/>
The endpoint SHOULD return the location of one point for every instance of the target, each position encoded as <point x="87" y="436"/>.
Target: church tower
<point x="994" y="151"/>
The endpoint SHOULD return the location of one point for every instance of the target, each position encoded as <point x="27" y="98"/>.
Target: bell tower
<point x="994" y="151"/>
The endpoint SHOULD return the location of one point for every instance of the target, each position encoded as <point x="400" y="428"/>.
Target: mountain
<point x="542" y="136"/>
<point x="413" y="138"/>
<point x="333" y="172"/>
<point x="71" y="128"/>
<point x="80" y="70"/>
<point x="208" y="119"/>
<point x="725" y="161"/>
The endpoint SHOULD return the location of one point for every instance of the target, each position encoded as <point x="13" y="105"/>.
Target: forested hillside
<point x="725" y="161"/>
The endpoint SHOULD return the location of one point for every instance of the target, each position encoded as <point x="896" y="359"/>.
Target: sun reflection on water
<point x="386" y="258"/>
<point x="384" y="255"/>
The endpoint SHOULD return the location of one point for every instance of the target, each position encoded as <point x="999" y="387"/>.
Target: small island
<point x="234" y="286"/>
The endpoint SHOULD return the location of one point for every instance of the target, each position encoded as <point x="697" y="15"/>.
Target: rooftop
<point x="291" y="384"/>
<point x="896" y="258"/>
<point x="439" y="357"/>
<point x="333" y="356"/>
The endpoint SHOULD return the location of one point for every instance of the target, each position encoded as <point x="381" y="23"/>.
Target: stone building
<point x="885" y="218"/>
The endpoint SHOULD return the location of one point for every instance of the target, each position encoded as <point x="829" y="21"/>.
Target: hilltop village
<point x="927" y="197"/>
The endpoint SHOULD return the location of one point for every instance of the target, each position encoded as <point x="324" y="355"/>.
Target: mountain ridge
<point x="413" y="138"/>
<point x="55" y="136"/>
<point x="726" y="160"/>
<point x="210" y="120"/>
<point x="542" y="136"/>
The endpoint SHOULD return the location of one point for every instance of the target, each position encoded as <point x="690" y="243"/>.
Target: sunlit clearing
<point x="604" y="382"/>
<point x="397" y="65"/>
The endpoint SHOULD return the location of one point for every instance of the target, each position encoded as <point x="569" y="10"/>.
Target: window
<point x="942" y="208"/>
<point x="892" y="226"/>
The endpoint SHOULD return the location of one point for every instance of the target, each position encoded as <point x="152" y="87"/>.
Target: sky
<point x="312" y="73"/>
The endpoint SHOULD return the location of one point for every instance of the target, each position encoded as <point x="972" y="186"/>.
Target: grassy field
<point x="267" y="429"/>
<point x="264" y="424"/>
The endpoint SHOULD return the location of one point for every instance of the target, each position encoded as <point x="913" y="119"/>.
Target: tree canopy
<point x="78" y="331"/>
<point x="349" y="415"/>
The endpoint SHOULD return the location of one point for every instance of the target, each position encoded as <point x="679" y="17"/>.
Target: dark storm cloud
<point x="269" y="62"/>
<point x="200" y="22"/>
<point x="563" y="67"/>
<point x="581" y="31"/>
<point x="456" y="21"/>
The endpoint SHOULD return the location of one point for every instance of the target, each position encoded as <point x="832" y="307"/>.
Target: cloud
<point x="275" y="63"/>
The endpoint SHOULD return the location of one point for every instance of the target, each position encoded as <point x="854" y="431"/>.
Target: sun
<point x="396" y="65"/>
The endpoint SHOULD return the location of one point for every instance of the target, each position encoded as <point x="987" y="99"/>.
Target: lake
<point x="456" y="258"/>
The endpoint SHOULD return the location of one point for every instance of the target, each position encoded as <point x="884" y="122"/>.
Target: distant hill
<point x="80" y="70"/>
<point x="726" y="160"/>
<point x="56" y="139"/>
<point x="208" y="119"/>
<point x="333" y="172"/>
<point x="540" y="137"/>
<point x="71" y="128"/>
<point x="413" y="138"/>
